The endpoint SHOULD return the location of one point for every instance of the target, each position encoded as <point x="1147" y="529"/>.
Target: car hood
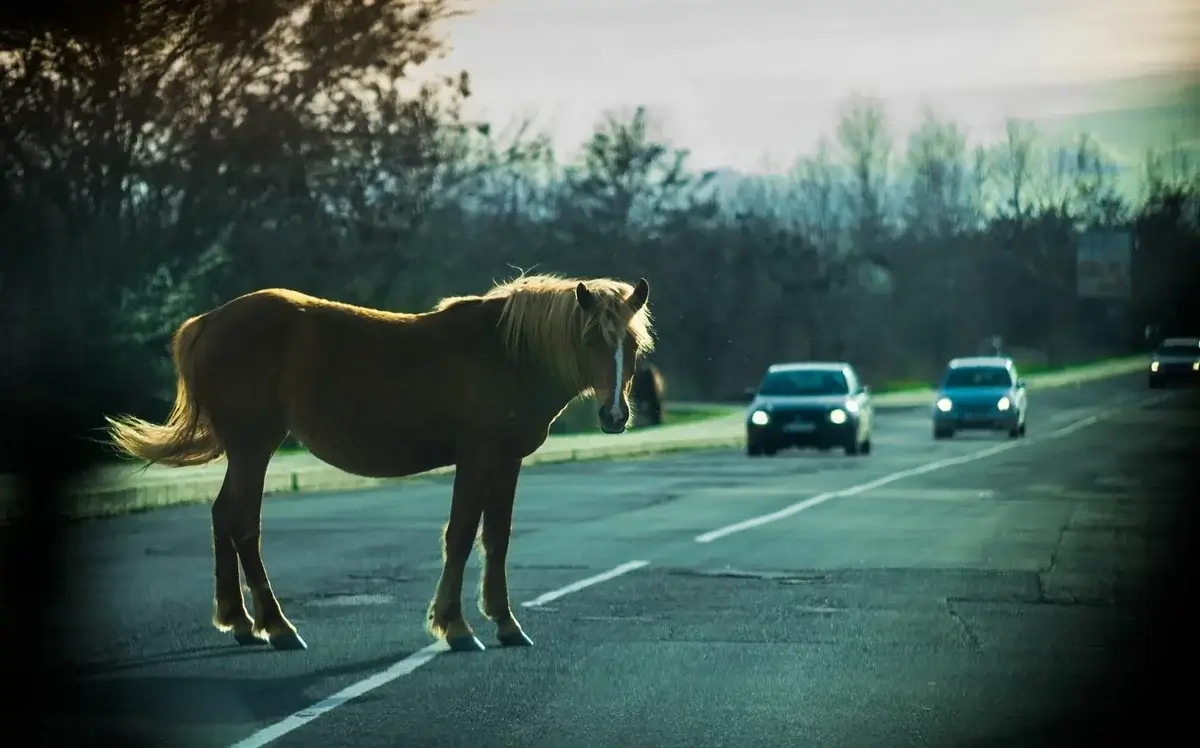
<point x="973" y="394"/>
<point x="798" y="402"/>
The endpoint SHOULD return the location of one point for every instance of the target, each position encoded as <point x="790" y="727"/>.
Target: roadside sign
<point x="1103" y="264"/>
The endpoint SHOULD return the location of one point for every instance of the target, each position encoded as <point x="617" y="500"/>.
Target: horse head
<point x="611" y="349"/>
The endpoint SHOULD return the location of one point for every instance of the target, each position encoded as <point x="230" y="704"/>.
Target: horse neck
<point x="550" y="398"/>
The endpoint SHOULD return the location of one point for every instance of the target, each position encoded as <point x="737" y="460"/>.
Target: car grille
<point x="793" y="416"/>
<point x="976" y="407"/>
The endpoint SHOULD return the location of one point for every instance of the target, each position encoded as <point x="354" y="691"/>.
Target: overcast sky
<point x="748" y="83"/>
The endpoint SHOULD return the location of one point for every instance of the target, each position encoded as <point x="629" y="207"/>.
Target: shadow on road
<point x="192" y="654"/>
<point x="163" y="705"/>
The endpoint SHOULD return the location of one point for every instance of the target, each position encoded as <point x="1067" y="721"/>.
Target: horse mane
<point x="541" y="317"/>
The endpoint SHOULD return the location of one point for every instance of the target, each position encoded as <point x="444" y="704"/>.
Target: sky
<point x="751" y="84"/>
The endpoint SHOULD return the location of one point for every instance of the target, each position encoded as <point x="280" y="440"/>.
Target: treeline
<point x="167" y="156"/>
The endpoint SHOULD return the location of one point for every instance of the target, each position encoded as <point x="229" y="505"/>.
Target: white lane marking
<point x="619" y="357"/>
<point x="553" y="595"/>
<point x="930" y="467"/>
<point x="404" y="667"/>
<point x="353" y="691"/>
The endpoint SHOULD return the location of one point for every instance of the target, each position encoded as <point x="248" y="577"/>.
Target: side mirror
<point x="865" y="389"/>
<point x="1020" y="383"/>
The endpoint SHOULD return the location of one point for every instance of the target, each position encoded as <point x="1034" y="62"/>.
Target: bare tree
<point x="940" y="194"/>
<point x="1015" y="167"/>
<point x="867" y="148"/>
<point x="629" y="183"/>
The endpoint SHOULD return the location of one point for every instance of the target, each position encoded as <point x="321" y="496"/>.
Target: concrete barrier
<point x="123" y="489"/>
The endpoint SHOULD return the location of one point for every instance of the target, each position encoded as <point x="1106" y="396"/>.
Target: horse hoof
<point x="288" y="641"/>
<point x="468" y="643"/>
<point x="247" y="639"/>
<point x="516" y="638"/>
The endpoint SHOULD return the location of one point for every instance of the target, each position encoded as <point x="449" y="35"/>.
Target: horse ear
<point x="584" y="297"/>
<point x="641" y="293"/>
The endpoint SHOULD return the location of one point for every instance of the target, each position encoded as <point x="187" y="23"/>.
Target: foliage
<point x="160" y="157"/>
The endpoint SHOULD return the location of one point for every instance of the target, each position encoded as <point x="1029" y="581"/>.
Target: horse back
<point x="339" y="373"/>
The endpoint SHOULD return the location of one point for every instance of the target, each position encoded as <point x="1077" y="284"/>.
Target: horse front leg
<point x="497" y="530"/>
<point x="445" y="616"/>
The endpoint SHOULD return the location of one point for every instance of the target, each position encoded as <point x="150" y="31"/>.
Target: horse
<point x="474" y="382"/>
<point x="647" y="390"/>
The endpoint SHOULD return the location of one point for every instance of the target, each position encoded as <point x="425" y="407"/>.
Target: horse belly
<point x="375" y="443"/>
<point x="380" y="459"/>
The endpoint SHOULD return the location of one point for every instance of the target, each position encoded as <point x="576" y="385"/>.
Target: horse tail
<point x="187" y="438"/>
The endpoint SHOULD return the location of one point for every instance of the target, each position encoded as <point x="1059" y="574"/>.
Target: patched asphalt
<point x="964" y="606"/>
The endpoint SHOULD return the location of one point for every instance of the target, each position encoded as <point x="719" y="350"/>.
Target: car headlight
<point x="760" y="418"/>
<point x="1153" y="366"/>
<point x="1196" y="366"/>
<point x="851" y="406"/>
<point x="837" y="415"/>
<point x="1004" y="404"/>
<point x="944" y="405"/>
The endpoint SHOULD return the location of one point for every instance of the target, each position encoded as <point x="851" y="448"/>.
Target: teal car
<point x="982" y="393"/>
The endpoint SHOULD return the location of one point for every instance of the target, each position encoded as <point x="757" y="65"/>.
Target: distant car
<point x="1175" y="361"/>
<point x="810" y="404"/>
<point x="980" y="393"/>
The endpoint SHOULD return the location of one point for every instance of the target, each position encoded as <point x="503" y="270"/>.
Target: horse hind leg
<point x="247" y="476"/>
<point x="229" y="606"/>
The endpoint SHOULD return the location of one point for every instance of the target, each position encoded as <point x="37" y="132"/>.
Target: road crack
<point x="1042" y="595"/>
<point x="973" y="641"/>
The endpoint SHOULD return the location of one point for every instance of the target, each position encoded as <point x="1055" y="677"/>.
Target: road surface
<point x="926" y="595"/>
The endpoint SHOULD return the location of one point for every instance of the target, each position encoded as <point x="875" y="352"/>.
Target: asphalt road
<point x="969" y="603"/>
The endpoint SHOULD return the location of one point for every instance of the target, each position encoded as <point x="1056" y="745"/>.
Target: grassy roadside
<point x="580" y="418"/>
<point x="1025" y="369"/>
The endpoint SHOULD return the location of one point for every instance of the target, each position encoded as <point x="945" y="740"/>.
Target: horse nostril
<point x="610" y="420"/>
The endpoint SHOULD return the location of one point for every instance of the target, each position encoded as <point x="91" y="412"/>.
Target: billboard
<point x="1103" y="264"/>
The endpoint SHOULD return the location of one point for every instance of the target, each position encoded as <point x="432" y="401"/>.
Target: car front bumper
<point x="1175" y="374"/>
<point x="825" y="434"/>
<point x="988" y="421"/>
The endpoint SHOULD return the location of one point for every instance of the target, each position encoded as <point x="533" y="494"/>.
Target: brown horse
<point x="648" y="390"/>
<point x="475" y="383"/>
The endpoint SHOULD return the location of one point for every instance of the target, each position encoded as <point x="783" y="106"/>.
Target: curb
<point x="722" y="432"/>
<point x="107" y="501"/>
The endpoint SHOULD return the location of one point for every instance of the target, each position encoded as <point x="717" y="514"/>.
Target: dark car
<point x="980" y="393"/>
<point x="809" y="404"/>
<point x="1175" y="361"/>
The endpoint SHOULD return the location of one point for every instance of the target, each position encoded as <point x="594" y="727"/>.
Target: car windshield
<point x="978" y="376"/>
<point x="804" y="382"/>
<point x="1178" y="350"/>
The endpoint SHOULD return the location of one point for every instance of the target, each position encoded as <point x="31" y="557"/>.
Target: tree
<point x="1014" y="168"/>
<point x="867" y="147"/>
<point x="940" y="195"/>
<point x="628" y="185"/>
<point x="144" y="137"/>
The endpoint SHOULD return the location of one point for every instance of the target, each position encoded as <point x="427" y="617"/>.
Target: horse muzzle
<point x="613" y="425"/>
